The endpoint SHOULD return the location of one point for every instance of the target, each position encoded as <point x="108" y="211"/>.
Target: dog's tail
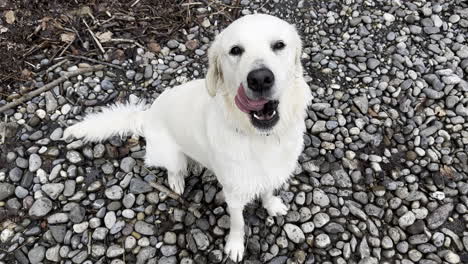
<point x="118" y="119"/>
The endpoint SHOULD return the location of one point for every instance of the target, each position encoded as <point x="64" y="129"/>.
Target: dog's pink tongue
<point x="246" y="104"/>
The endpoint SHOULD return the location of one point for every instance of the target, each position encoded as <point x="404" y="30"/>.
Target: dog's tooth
<point x="257" y="117"/>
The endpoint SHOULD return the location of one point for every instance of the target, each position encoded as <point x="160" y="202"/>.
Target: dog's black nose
<point x="260" y="80"/>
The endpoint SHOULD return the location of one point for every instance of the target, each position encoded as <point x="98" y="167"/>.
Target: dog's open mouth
<point x="267" y="117"/>
<point x="263" y="113"/>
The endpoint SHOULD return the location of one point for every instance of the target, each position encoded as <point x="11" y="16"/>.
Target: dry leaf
<point x="439" y="111"/>
<point x="133" y="141"/>
<point x="26" y="74"/>
<point x="43" y="24"/>
<point x="192" y="44"/>
<point x="446" y="171"/>
<point x="3" y="29"/>
<point x="74" y="51"/>
<point x="118" y="54"/>
<point x="10" y="17"/>
<point x="67" y="37"/>
<point x="372" y="113"/>
<point x="154" y="47"/>
<point x="104" y="36"/>
<point x="84" y="10"/>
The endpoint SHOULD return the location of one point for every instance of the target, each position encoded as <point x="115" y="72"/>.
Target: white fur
<point x="200" y="120"/>
<point x="118" y="119"/>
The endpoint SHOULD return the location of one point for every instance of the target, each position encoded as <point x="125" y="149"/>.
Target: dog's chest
<point x="253" y="165"/>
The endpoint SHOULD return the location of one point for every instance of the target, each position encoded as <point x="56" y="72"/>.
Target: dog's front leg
<point x="273" y="204"/>
<point x="235" y="242"/>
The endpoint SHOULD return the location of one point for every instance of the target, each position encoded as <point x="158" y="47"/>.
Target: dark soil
<point x="50" y="29"/>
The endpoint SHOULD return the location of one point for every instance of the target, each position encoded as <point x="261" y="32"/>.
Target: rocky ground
<point x="383" y="177"/>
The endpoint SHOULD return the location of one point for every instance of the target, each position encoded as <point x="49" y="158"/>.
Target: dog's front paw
<point x="275" y="206"/>
<point x="176" y="182"/>
<point x="235" y="247"/>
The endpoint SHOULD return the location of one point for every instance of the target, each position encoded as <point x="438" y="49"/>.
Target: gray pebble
<point x="179" y="58"/>
<point x="6" y="190"/>
<point x="107" y="84"/>
<point x="130" y="74"/>
<point x="294" y="233"/>
<point x="40" y="207"/>
<point x="36" y="254"/>
<point x="320" y="198"/>
<point x="321" y="219"/>
<point x="144" y="228"/>
<point x="127" y="164"/>
<point x="115" y="192"/>
<point x="53" y="190"/>
<point x="138" y="186"/>
<point x="35" y="162"/>
<point x="74" y="156"/>
<point x="322" y="241"/>
<point x="201" y="239"/>
<point x="439" y="216"/>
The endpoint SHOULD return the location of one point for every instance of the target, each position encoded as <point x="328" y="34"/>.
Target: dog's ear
<point x="214" y="76"/>
<point x="299" y="70"/>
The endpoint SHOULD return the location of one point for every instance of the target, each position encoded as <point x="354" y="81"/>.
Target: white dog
<point x="245" y="121"/>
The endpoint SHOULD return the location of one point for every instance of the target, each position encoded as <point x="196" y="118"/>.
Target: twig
<point x="94" y="37"/>
<point x="108" y="20"/>
<point x="77" y="34"/>
<point x="189" y="14"/>
<point x="191" y="3"/>
<point x="96" y="61"/>
<point x="166" y="190"/>
<point x="11" y="76"/>
<point x="56" y="65"/>
<point x="34" y="48"/>
<point x="3" y="140"/>
<point x="264" y="4"/>
<point x="49" y="86"/>
<point x="127" y="41"/>
<point x="173" y="195"/>
<point x="23" y="245"/>
<point x="176" y="197"/>
<point x="124" y="254"/>
<point x="89" y="245"/>
<point x="30" y="50"/>
<point x="135" y="3"/>
<point x="64" y="49"/>
<point x="124" y="17"/>
<point x="30" y="64"/>
<point x="237" y="11"/>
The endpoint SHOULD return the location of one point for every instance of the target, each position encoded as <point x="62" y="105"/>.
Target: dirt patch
<point x="33" y="30"/>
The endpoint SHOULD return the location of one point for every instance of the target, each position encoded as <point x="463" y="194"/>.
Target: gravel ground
<point x="383" y="177"/>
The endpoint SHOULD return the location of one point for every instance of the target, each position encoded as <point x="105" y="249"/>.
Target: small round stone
<point x="322" y="241"/>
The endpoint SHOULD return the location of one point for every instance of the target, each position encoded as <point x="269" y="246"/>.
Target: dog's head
<point x="255" y="64"/>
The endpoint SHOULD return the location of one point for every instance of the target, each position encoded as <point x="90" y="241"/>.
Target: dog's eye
<point x="279" y="45"/>
<point x="236" y="51"/>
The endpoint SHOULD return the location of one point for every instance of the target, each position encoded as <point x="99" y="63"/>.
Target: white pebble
<point x="388" y="17"/>
<point x="41" y="113"/>
<point x="438" y="195"/>
<point x="128" y="213"/>
<point x="65" y="109"/>
<point x="81" y="227"/>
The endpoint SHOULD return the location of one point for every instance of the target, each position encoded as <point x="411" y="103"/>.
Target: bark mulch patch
<point x="34" y="30"/>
